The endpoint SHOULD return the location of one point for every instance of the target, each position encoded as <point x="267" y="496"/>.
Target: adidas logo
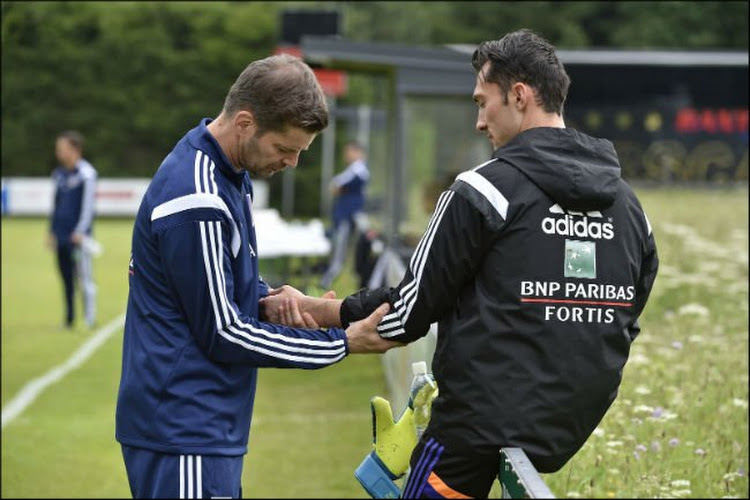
<point x="577" y="224"/>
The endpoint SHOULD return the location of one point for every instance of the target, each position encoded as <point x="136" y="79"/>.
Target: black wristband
<point x="361" y="304"/>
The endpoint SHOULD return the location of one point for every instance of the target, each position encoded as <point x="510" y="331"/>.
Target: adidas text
<point x="580" y="227"/>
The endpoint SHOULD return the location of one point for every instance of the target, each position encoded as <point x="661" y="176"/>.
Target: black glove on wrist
<point x="361" y="304"/>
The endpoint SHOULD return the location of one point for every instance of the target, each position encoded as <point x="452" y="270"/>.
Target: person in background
<point x="371" y="242"/>
<point x="194" y="337"/>
<point x="536" y="264"/>
<point x="348" y="204"/>
<point x="71" y="224"/>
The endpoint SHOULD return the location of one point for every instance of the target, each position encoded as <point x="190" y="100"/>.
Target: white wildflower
<point x="643" y="390"/>
<point x="694" y="308"/>
<point x="662" y="415"/>
<point x="730" y="476"/>
<point x="639" y="359"/>
<point x="681" y="493"/>
<point x="742" y="403"/>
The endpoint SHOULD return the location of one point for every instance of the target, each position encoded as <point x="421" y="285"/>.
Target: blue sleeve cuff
<point x="376" y="479"/>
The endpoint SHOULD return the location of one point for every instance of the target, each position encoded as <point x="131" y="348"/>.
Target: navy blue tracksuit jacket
<point x="193" y="339"/>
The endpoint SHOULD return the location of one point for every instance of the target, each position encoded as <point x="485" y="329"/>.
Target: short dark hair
<point x="280" y="91"/>
<point x="524" y="56"/>
<point x="74" y="137"/>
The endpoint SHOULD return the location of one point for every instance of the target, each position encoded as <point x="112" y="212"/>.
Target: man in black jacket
<point x="536" y="265"/>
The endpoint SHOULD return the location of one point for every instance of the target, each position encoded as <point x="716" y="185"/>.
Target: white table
<point x="280" y="238"/>
<point x="297" y="243"/>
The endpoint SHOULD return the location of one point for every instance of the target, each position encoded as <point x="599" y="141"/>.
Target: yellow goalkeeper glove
<point x="392" y="443"/>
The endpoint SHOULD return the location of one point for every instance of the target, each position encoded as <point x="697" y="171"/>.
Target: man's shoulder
<point x="86" y="169"/>
<point x="359" y="167"/>
<point x="494" y="172"/>
<point x="188" y="179"/>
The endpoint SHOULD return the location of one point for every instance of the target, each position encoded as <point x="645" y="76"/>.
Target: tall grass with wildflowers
<point x="679" y="427"/>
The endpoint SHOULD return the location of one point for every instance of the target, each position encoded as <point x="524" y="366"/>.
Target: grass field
<point x="678" y="429"/>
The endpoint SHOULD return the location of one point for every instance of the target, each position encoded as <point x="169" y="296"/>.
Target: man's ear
<point x="520" y="95"/>
<point x="244" y="122"/>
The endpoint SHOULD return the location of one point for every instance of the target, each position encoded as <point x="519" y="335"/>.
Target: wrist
<point x="325" y="311"/>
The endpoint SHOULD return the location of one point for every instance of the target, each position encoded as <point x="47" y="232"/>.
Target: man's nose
<point x="291" y="160"/>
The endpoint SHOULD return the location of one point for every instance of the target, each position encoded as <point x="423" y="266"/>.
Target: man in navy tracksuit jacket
<point x="193" y="335"/>
<point x="71" y="223"/>
<point x="349" y="201"/>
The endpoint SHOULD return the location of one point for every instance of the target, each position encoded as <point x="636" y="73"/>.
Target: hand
<point x="392" y="441"/>
<point x="51" y="241"/>
<point x="290" y="314"/>
<point x="273" y="304"/>
<point x="363" y="336"/>
<point x="287" y="305"/>
<point x="76" y="238"/>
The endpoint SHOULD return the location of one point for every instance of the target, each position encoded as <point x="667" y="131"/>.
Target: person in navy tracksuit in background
<point x="349" y="202"/>
<point x="71" y="223"/>
<point x="194" y="333"/>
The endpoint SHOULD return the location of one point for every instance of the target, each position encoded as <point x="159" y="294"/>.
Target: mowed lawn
<point x="311" y="427"/>
<point x="679" y="427"/>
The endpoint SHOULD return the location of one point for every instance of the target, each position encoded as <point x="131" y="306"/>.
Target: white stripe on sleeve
<point x="198" y="200"/>
<point x="485" y="187"/>
<point x="392" y="324"/>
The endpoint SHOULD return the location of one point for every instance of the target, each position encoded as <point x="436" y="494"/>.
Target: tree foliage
<point x="135" y="76"/>
<point x="132" y="76"/>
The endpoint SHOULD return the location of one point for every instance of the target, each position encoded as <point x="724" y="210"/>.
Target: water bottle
<point x="421" y="393"/>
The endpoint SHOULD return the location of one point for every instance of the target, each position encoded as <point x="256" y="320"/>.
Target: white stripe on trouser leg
<point x="198" y="477"/>
<point x="190" y="476"/>
<point x="88" y="288"/>
<point x="338" y="256"/>
<point x="182" y="476"/>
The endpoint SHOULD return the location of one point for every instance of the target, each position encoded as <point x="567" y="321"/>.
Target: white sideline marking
<point x="32" y="389"/>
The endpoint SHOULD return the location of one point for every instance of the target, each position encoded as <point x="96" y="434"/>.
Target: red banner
<point x="332" y="81"/>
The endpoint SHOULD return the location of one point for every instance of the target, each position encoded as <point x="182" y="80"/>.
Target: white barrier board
<point x="114" y="197"/>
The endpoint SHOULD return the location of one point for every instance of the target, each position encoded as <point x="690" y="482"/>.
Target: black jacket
<point x="536" y="264"/>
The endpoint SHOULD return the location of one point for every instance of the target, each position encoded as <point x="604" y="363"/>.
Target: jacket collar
<point x="202" y="139"/>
